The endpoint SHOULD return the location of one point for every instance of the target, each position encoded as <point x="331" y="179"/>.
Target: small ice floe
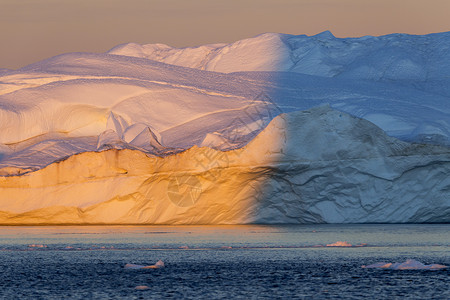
<point x="409" y="264"/>
<point x="340" y="244"/>
<point x="37" y="246"/>
<point x="344" y="244"/>
<point x="142" y="287"/>
<point x="158" y="265"/>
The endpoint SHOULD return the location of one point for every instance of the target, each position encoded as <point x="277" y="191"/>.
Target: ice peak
<point x="325" y="35"/>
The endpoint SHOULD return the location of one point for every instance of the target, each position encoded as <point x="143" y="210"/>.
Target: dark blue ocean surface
<point x="218" y="262"/>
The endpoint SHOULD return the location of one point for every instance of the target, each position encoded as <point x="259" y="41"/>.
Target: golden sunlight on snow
<point x="127" y="186"/>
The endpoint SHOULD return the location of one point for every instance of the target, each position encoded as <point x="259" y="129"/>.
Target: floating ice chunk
<point x="379" y="265"/>
<point x="158" y="265"/>
<point x="37" y="246"/>
<point x="340" y="244"/>
<point x="133" y="266"/>
<point x="409" y="264"/>
<point x="438" y="267"/>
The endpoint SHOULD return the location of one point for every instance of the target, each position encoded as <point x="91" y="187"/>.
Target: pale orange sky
<point x="31" y="30"/>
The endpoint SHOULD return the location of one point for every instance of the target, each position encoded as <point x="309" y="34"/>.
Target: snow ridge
<point x="389" y="57"/>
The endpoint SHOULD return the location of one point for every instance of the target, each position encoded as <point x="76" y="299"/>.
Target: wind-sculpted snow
<point x="63" y="105"/>
<point x="68" y="104"/>
<point x="314" y="166"/>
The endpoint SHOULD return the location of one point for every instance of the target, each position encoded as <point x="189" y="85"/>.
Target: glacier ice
<point x="271" y="129"/>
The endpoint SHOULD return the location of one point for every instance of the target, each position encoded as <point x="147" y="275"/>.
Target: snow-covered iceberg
<point x="272" y="129"/>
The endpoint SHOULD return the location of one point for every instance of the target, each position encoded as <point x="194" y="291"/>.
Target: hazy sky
<point x="31" y="30"/>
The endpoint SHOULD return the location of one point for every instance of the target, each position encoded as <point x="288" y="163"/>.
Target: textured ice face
<point x="315" y="166"/>
<point x="158" y="265"/>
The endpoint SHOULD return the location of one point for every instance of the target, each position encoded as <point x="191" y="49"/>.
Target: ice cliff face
<point x="338" y="169"/>
<point x="313" y="166"/>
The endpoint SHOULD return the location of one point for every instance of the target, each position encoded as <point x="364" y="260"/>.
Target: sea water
<point x="222" y="262"/>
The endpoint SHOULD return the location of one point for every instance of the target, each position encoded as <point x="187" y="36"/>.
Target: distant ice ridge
<point x="390" y="57"/>
<point x="314" y="166"/>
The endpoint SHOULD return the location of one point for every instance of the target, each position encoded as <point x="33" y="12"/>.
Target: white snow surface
<point x="152" y="102"/>
<point x="158" y="265"/>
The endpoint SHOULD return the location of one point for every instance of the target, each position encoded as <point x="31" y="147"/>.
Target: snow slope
<point x="84" y="95"/>
<point x="173" y="111"/>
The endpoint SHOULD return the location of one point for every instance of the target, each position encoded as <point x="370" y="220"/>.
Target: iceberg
<point x="158" y="265"/>
<point x="409" y="264"/>
<point x="314" y="166"/>
<point x="37" y="246"/>
<point x="340" y="244"/>
<point x="272" y="129"/>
